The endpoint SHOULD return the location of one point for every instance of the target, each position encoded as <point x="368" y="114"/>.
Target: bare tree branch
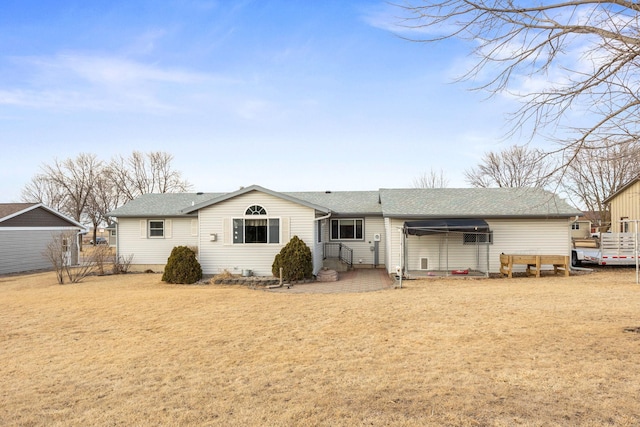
<point x="517" y="166"/>
<point x="431" y="179"/>
<point x="580" y="56"/>
<point x="145" y="173"/>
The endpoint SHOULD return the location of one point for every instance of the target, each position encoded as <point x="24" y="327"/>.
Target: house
<point x="581" y="229"/>
<point x="26" y="229"/>
<point x="624" y="207"/>
<point x="417" y="229"/>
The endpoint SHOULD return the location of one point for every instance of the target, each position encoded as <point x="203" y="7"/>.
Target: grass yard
<point x="131" y="350"/>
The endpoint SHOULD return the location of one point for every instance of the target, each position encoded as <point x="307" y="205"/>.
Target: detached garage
<point x="25" y="231"/>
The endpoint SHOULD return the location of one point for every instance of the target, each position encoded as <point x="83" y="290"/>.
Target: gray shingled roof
<point x="473" y="202"/>
<point x="400" y="203"/>
<point x="246" y="190"/>
<point x="161" y="204"/>
<point x="344" y="202"/>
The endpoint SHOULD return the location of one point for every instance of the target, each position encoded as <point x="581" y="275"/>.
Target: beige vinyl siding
<point x="445" y="252"/>
<point x="625" y="205"/>
<point x="391" y="266"/>
<point x="132" y="239"/>
<point x="526" y="236"/>
<point x="24" y="249"/>
<point x="223" y="254"/>
<point x="395" y="233"/>
<point x="362" y="253"/>
<point x="318" y="247"/>
<point x="362" y="249"/>
<point x="540" y="237"/>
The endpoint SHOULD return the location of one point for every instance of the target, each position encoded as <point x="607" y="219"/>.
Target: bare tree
<point x="66" y="185"/>
<point x="58" y="252"/>
<point x="597" y="173"/>
<point x="42" y="189"/>
<point x="516" y="166"/>
<point x="431" y="179"/>
<point x="145" y="173"/>
<point x="104" y="198"/>
<point x="85" y="189"/>
<point x="578" y="56"/>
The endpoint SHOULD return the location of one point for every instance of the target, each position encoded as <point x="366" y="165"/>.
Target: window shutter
<point x="227" y="232"/>
<point x="194" y="227"/>
<point x="285" y="230"/>
<point x="143" y="229"/>
<point x="167" y="228"/>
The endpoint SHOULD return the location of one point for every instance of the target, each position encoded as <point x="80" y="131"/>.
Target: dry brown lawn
<point x="131" y="350"/>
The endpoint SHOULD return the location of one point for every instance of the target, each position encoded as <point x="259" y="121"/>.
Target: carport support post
<point x="488" y="246"/>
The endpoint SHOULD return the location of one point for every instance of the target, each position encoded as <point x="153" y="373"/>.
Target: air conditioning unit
<point x="377" y="237"/>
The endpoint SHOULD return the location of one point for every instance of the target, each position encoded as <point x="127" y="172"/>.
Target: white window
<point x="347" y="229"/>
<point x="575" y="226"/>
<point x="475" y="238"/>
<point x="624" y="226"/>
<point x="156" y="228"/>
<point x="256" y="227"/>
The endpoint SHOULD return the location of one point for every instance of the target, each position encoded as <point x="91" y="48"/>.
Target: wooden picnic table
<point x="559" y="262"/>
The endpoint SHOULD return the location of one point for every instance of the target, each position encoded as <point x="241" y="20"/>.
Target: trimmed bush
<point x="295" y="260"/>
<point x="182" y="266"/>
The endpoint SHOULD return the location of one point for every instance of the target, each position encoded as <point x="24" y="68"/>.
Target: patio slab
<point x="357" y="280"/>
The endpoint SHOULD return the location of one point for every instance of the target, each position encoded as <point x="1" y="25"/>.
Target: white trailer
<point x="610" y="249"/>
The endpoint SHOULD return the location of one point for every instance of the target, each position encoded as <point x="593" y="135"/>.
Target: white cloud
<point x="74" y="81"/>
<point x="109" y="70"/>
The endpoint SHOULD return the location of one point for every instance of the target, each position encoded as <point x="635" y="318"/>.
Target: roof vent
<point x="328" y="192"/>
<point x="199" y="193"/>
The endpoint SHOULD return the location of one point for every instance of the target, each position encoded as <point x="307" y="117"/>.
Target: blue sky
<point x="290" y="95"/>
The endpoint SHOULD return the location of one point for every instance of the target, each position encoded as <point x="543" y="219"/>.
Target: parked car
<point x="100" y="241"/>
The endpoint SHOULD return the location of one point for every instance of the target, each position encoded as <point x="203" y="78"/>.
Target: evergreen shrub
<point x="182" y="266"/>
<point x="295" y="260"/>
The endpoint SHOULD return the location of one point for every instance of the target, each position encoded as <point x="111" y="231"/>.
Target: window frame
<point x="256" y="212"/>
<point x="338" y="238"/>
<point x="150" y="229"/>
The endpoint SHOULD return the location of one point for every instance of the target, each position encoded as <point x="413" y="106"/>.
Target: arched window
<point x="256" y="230"/>
<point x="255" y="210"/>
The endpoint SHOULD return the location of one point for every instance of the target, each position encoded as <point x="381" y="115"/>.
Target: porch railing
<point x="340" y="251"/>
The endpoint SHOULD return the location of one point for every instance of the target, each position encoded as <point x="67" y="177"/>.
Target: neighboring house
<point x="112" y="236"/>
<point x="581" y="229"/>
<point x="26" y="229"/>
<point x="624" y="206"/>
<point x="420" y="229"/>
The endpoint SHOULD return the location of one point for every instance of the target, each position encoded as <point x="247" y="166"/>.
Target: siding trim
<point x="41" y="228"/>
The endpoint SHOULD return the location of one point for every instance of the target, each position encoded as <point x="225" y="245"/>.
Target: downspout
<point x="324" y="217"/>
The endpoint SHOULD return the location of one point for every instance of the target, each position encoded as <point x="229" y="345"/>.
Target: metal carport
<point x="475" y="230"/>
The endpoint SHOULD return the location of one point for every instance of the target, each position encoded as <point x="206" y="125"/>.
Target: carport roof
<point x="473" y="203"/>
